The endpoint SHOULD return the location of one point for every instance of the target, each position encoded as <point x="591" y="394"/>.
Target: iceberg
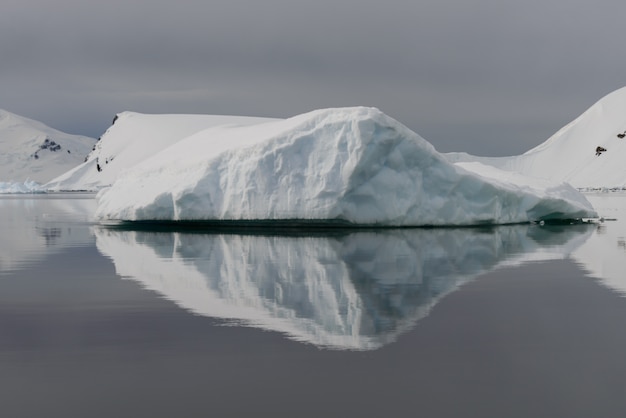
<point x="353" y="166"/>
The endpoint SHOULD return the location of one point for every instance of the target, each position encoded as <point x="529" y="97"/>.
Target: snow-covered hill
<point x="30" y="150"/>
<point x="132" y="138"/>
<point x="570" y="154"/>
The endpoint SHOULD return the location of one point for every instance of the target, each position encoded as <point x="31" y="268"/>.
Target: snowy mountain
<point x="354" y="165"/>
<point x="132" y="138"/>
<point x="30" y="150"/>
<point x="570" y="155"/>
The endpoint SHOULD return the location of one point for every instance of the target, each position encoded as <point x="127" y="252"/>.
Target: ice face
<point x="355" y="165"/>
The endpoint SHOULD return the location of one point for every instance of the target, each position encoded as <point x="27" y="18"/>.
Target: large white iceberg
<point x="353" y="165"/>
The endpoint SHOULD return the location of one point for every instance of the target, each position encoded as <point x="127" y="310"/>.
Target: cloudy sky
<point x="491" y="77"/>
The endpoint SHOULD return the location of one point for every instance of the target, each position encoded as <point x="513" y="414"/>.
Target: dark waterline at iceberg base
<point x="502" y="321"/>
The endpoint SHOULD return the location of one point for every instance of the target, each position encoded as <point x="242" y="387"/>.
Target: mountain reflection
<point x="33" y="226"/>
<point x="356" y="290"/>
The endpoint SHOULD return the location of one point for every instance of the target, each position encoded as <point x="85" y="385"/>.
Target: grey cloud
<point x="459" y="73"/>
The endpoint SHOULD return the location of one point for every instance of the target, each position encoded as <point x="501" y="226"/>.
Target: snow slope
<point x="570" y="156"/>
<point x="351" y="164"/>
<point x="30" y="150"/>
<point x="355" y="291"/>
<point x="132" y="138"/>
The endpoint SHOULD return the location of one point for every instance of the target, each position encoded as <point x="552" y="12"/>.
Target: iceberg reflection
<point x="352" y="290"/>
<point x="603" y="255"/>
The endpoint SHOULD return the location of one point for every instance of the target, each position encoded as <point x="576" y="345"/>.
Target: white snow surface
<point x="9" y="187"/>
<point x="570" y="154"/>
<point x="33" y="152"/>
<point x="350" y="164"/>
<point x="132" y="138"/>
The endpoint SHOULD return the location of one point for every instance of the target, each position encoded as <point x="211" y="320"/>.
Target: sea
<point x="101" y="320"/>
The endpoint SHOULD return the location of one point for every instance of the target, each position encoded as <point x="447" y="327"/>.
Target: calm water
<point x="524" y="321"/>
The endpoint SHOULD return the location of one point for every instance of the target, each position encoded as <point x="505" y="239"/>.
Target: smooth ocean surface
<point x="512" y="321"/>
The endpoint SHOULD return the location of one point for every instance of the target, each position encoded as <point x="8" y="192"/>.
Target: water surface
<point x="510" y="321"/>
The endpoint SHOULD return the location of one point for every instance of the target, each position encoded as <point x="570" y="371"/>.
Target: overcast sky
<point x="490" y="77"/>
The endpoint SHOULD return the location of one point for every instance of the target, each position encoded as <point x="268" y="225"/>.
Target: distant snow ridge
<point x="570" y="154"/>
<point x="20" y="188"/>
<point x="132" y="138"/>
<point x="32" y="151"/>
<point x="355" y="165"/>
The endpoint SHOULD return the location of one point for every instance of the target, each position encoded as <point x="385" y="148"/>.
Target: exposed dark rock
<point x="50" y="145"/>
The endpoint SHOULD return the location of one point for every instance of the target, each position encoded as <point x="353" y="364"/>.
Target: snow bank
<point x="20" y="188"/>
<point x="570" y="154"/>
<point x="353" y="164"/>
<point x="32" y="151"/>
<point x="132" y="138"/>
<point x="356" y="291"/>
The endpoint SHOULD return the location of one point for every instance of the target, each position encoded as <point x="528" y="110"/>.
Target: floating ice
<point x="353" y="165"/>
